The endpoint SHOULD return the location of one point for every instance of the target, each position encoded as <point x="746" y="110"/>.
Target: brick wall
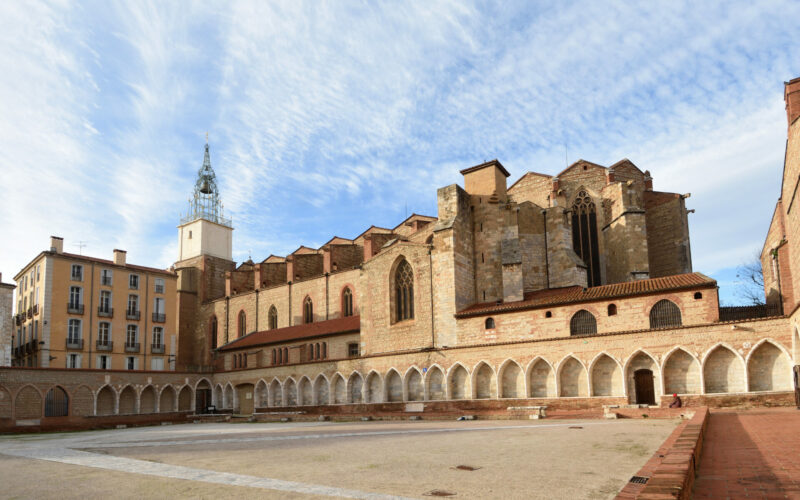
<point x="667" y="234"/>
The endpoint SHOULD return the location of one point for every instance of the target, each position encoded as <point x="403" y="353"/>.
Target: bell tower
<point x="204" y="230"/>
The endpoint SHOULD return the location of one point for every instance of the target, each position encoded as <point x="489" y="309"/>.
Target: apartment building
<point x="77" y="311"/>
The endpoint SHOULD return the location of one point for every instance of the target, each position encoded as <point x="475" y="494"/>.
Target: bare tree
<point x="750" y="281"/>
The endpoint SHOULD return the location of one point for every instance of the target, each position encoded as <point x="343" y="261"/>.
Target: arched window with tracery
<point x="584" y="235"/>
<point x="404" y="291"/>
<point x="582" y="323"/>
<point x="212" y="332"/>
<point x="665" y="314"/>
<point x="308" y="311"/>
<point x="273" y="318"/>
<point x="347" y="302"/>
<point x="242" y="325"/>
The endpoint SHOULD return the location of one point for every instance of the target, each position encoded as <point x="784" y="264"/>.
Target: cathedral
<point x="573" y="291"/>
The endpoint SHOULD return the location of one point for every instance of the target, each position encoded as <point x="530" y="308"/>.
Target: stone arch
<point x="393" y="387"/>
<point x="57" y="402"/>
<point x="796" y="345"/>
<point x="572" y="378"/>
<point x="305" y="392"/>
<point x="147" y="400"/>
<point x="275" y="393"/>
<point x="541" y="379"/>
<point x="355" y="387"/>
<point x="28" y="403"/>
<point x="606" y="376"/>
<point x="374" y="388"/>
<point x="168" y="399"/>
<point x="338" y="389"/>
<point x="723" y="370"/>
<point x="414" y="388"/>
<point x="769" y="367"/>
<point x="228" y="397"/>
<point x="127" y="401"/>
<point x="261" y="394"/>
<point x="203" y="379"/>
<point x="321" y="390"/>
<point x="5" y="403"/>
<point x="665" y="314"/>
<point x="185" y="399"/>
<point x="82" y="402"/>
<point x="681" y="372"/>
<point x="642" y="360"/>
<point x="217" y="396"/>
<point x="458" y="382"/>
<point x="290" y="392"/>
<point x="106" y="401"/>
<point x="511" y="380"/>
<point x="435" y="387"/>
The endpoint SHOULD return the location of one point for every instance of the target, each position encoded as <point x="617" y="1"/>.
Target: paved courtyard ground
<point x="567" y="459"/>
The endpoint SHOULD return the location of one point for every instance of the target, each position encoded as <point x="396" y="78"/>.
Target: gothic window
<point x="274" y="358"/>
<point x="404" y="291"/>
<point x="308" y="311"/>
<point x="665" y="314"/>
<point x="242" y="327"/>
<point x="582" y="323"/>
<point x="213" y="332"/>
<point x="347" y="302"/>
<point x="584" y="235"/>
<point x="273" y="318"/>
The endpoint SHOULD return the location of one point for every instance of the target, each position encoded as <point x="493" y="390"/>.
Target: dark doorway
<point x="56" y="403"/>
<point x="202" y="398"/>
<point x="645" y="392"/>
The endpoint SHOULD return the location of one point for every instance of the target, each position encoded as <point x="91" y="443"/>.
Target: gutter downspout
<point x="146" y="308"/>
<point x="91" y="316"/>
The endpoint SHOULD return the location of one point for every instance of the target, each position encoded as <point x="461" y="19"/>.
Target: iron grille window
<point x="582" y="323"/>
<point x="347" y="302"/>
<point x="665" y="314"/>
<point x="308" y="310"/>
<point x="56" y="403"/>
<point x="404" y="291"/>
<point x="584" y="235"/>
<point x="273" y="318"/>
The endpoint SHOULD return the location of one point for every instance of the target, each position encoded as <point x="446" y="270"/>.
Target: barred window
<point x="582" y="323"/>
<point x="308" y="311"/>
<point x="347" y="302"/>
<point x="404" y="291"/>
<point x="273" y="318"/>
<point x="665" y="314"/>
<point x="584" y="235"/>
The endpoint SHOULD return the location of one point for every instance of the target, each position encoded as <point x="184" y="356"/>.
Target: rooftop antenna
<point x="80" y="246"/>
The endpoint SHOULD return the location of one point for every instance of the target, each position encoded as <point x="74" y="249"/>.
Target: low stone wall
<point x="74" y="423"/>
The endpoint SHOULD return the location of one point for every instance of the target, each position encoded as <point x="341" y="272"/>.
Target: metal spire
<point x="205" y="202"/>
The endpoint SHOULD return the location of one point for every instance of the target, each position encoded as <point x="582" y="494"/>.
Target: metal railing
<point x="73" y="308"/>
<point x="134" y="315"/>
<point x="74" y="343"/>
<point x="105" y="280"/>
<point x="105" y="312"/>
<point x="132" y="347"/>
<point x="36" y="310"/>
<point x="159" y="288"/>
<point x="30" y="312"/>
<point x="159" y="318"/>
<point x="157" y="348"/>
<point x="738" y="313"/>
<point x="105" y="345"/>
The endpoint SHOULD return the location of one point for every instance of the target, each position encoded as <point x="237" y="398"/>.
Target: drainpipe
<point x="91" y="316"/>
<point x="146" y="308"/>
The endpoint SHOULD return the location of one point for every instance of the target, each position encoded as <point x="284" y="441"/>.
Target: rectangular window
<point x="73" y="360"/>
<point x="104" y="362"/>
<point x="36" y="330"/>
<point x="132" y="335"/>
<point x="158" y="305"/>
<point x="105" y="301"/>
<point x="105" y="277"/>
<point x="103" y="333"/>
<point x="157" y="364"/>
<point x="352" y="350"/>
<point x="130" y="363"/>
<point x="133" y="282"/>
<point x="77" y="272"/>
<point x="38" y="272"/>
<point x="75" y="293"/>
<point x="158" y="336"/>
<point x="133" y="304"/>
<point x="74" y="331"/>
<point x="159" y="285"/>
<point x="36" y="297"/>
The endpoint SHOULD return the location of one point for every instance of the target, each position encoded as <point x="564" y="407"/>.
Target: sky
<point x="327" y="117"/>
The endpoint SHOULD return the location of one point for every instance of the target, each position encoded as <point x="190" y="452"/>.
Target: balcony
<point x="157" y="348"/>
<point x="17" y="352"/>
<point x="134" y="315"/>
<point x="73" y="308"/>
<point x="18" y="319"/>
<point x="75" y="344"/>
<point x="104" y="345"/>
<point x="33" y="346"/>
<point x="36" y="310"/>
<point x="159" y="318"/>
<point x="77" y="276"/>
<point x="132" y="347"/>
<point x="105" y="280"/>
<point x="105" y="312"/>
<point x="159" y="288"/>
<point x="30" y="312"/>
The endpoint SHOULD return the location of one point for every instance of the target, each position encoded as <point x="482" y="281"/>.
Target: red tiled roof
<point x="111" y="263"/>
<point x="332" y="326"/>
<point x="572" y="294"/>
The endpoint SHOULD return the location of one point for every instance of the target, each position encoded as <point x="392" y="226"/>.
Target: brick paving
<point x="751" y="454"/>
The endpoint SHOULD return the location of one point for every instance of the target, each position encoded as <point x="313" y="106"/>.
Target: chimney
<point x="648" y="181"/>
<point x="610" y="175"/>
<point x="791" y="94"/>
<point x="56" y="244"/>
<point x="119" y="257"/>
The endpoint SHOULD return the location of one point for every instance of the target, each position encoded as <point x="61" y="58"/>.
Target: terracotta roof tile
<point x="573" y="294"/>
<point x="297" y="332"/>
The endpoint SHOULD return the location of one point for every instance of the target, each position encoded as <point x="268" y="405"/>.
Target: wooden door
<point x="645" y="392"/>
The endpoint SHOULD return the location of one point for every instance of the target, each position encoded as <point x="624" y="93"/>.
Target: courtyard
<point x="590" y="459"/>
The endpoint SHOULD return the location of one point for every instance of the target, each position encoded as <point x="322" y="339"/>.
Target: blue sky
<point x="325" y="118"/>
